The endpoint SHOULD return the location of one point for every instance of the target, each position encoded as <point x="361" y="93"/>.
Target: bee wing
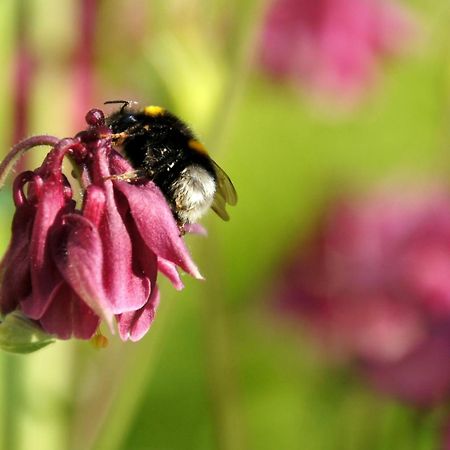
<point x="218" y="206"/>
<point x="225" y="193"/>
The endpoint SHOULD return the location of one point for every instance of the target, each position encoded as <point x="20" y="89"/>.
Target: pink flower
<point x="332" y="46"/>
<point x="70" y="266"/>
<point x="373" y="286"/>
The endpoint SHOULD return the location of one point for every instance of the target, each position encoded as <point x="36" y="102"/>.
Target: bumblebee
<point x="162" y="148"/>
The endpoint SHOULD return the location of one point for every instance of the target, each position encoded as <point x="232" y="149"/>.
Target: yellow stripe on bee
<point x="197" y="146"/>
<point x="153" y="110"/>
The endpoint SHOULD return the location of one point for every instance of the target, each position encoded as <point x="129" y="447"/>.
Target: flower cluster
<point x="332" y="47"/>
<point x="75" y="260"/>
<point x="374" y="287"/>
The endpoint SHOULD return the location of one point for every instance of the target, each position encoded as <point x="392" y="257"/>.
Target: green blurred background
<point x="217" y="370"/>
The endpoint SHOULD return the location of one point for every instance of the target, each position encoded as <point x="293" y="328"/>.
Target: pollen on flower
<point x="71" y="266"/>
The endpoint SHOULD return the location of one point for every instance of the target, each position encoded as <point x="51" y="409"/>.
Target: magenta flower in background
<point x="69" y="265"/>
<point x="374" y="287"/>
<point x="333" y="47"/>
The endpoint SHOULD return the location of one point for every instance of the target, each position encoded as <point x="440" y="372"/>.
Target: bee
<point x="162" y="148"/>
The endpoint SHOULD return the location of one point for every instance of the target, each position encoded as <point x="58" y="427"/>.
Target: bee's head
<point x="124" y="118"/>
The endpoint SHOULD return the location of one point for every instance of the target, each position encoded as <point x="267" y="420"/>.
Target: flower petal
<point x="69" y="316"/>
<point x="134" y="325"/>
<point x="15" y="277"/>
<point x="170" y="271"/>
<point x="195" y="228"/>
<point x="44" y="276"/>
<point x="156" y="224"/>
<point x="78" y="253"/>
<point x="144" y="260"/>
<point x="127" y="290"/>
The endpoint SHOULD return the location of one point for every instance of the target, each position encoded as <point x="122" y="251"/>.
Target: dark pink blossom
<point x="69" y="266"/>
<point x="332" y="46"/>
<point x="373" y="286"/>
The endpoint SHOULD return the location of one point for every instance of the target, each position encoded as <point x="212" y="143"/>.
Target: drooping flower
<point x="373" y="287"/>
<point x="69" y="265"/>
<point x="332" y="47"/>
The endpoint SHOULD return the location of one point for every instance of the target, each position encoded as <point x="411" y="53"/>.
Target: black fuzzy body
<point x="159" y="146"/>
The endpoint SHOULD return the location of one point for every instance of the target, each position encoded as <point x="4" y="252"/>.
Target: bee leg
<point x="181" y="229"/>
<point x="127" y="176"/>
<point x="117" y="138"/>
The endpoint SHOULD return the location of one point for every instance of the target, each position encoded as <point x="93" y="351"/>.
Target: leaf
<point x="21" y="335"/>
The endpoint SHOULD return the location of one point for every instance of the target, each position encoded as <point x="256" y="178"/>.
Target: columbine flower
<point x="71" y="265"/>
<point x="332" y="46"/>
<point x="374" y="287"/>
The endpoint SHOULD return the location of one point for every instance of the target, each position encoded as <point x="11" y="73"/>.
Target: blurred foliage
<point x="285" y="158"/>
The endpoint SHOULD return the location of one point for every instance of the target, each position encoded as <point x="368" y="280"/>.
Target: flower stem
<point x="19" y="149"/>
<point x="12" y="401"/>
<point x="104" y="420"/>
<point x="224" y="390"/>
<point x="223" y="385"/>
<point x="251" y="19"/>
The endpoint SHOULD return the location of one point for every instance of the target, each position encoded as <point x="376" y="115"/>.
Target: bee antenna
<point x="125" y="103"/>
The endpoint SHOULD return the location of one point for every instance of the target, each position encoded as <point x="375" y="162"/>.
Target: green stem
<point x="224" y="390"/>
<point x="12" y="401"/>
<point x="219" y="349"/>
<point x="102" y="422"/>
<point x="242" y="59"/>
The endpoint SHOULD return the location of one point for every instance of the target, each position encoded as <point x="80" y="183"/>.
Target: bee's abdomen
<point x="192" y="193"/>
